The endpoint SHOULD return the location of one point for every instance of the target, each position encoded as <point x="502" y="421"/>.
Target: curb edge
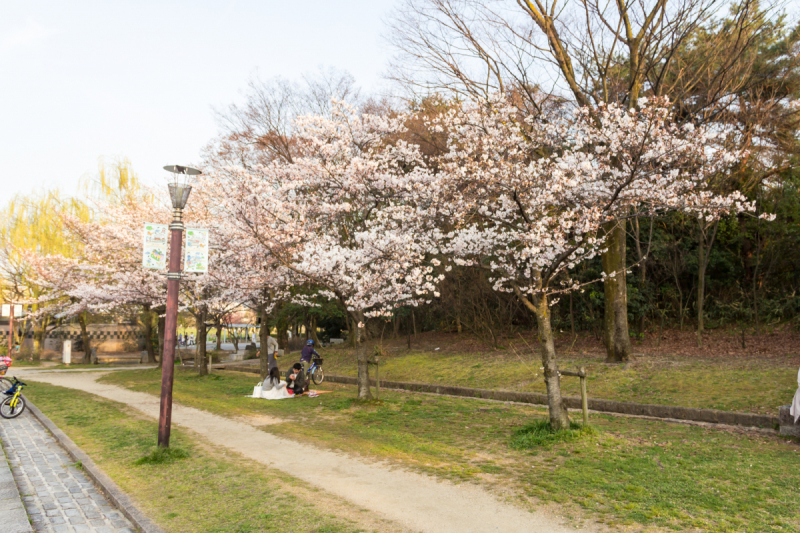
<point x="599" y="405"/>
<point x="110" y="489"/>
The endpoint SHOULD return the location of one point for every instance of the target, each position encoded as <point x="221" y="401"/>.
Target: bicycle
<point x="315" y="372"/>
<point x="5" y="383"/>
<point x="14" y="404"/>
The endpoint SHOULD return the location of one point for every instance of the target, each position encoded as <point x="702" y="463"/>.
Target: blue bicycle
<point x="315" y="372"/>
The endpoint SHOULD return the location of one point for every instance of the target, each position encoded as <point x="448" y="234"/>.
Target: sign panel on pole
<point x="154" y="253"/>
<point x="6" y="309"/>
<point x="196" y="258"/>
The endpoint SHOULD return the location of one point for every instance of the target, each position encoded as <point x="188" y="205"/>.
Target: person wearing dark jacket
<point x="296" y="379"/>
<point x="308" y="351"/>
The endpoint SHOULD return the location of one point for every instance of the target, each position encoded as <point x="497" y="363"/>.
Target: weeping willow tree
<point x="32" y="225"/>
<point x="115" y="182"/>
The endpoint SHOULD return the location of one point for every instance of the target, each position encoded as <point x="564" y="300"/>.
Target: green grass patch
<point x="191" y="487"/>
<point x="161" y="456"/>
<point x="746" y="385"/>
<point x="24" y="362"/>
<point x="541" y="435"/>
<point x="627" y="471"/>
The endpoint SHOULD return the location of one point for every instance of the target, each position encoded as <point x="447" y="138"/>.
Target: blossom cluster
<point x="362" y="217"/>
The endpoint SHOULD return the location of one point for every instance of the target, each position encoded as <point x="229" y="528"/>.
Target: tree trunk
<point x="200" y="360"/>
<point x="234" y="334"/>
<point x="313" y="332"/>
<point x="147" y="325"/>
<point x="282" y="338"/>
<point x="414" y="322"/>
<point x="642" y="265"/>
<point x="609" y="293"/>
<point x="618" y="342"/>
<point x="701" y="290"/>
<point x="39" y="330"/>
<point x="218" y="327"/>
<point x="263" y="335"/>
<point x="364" y="392"/>
<point x="559" y="418"/>
<point x="705" y="242"/>
<point x="396" y="326"/>
<point x="87" y="348"/>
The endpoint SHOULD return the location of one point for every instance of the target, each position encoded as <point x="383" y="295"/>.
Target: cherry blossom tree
<point x="528" y="199"/>
<point x="345" y="217"/>
<point x="108" y="274"/>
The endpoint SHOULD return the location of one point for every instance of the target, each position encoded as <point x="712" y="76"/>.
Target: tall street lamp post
<point x="179" y="191"/>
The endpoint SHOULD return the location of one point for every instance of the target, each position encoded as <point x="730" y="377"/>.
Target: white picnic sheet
<point x="275" y="393"/>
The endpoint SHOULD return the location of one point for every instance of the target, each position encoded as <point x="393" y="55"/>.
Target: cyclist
<point x="308" y="352"/>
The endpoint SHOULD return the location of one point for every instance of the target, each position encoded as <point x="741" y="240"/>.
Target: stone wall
<point x="107" y="338"/>
<point x="788" y="426"/>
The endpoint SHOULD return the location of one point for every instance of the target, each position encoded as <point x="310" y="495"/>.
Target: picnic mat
<point x="310" y="394"/>
<point x="313" y="393"/>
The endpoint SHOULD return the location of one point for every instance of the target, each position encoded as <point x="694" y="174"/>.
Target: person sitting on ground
<point x="273" y="380"/>
<point x="296" y="379"/>
<point x="273" y="388"/>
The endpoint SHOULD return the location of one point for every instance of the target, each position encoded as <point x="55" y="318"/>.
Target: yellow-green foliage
<point x="33" y="224"/>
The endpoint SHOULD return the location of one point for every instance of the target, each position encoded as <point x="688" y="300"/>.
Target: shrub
<point x="541" y="435"/>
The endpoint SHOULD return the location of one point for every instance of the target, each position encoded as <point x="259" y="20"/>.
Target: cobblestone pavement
<point x="57" y="495"/>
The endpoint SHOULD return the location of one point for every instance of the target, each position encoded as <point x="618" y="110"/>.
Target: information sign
<point x="154" y="253"/>
<point x="196" y="258"/>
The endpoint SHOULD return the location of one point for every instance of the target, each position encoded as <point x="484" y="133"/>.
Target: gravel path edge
<point x="110" y="489"/>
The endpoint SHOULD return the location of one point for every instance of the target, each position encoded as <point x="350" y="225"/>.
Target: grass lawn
<point x="643" y="474"/>
<point x="210" y="491"/>
<point x="24" y="362"/>
<point x="746" y="384"/>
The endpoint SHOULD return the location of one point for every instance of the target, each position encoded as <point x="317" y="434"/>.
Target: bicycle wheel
<point x="318" y="376"/>
<point x="5" y="384"/>
<point x="9" y="410"/>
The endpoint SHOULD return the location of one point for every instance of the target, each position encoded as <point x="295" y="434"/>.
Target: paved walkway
<point x="12" y="512"/>
<point x="415" y="501"/>
<point x="56" y="494"/>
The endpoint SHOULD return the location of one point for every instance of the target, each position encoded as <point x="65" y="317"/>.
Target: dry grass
<point x="632" y="474"/>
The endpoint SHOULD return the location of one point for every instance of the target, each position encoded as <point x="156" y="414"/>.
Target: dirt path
<point x="418" y="502"/>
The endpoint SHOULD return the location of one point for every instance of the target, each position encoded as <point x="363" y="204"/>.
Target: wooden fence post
<point x="581" y="373"/>
<point x="377" y="378"/>
<point x="584" y="398"/>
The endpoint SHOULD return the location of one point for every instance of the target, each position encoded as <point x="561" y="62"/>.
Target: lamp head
<point x="180" y="187"/>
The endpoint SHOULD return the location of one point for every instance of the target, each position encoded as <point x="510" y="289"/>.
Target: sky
<point x="82" y="80"/>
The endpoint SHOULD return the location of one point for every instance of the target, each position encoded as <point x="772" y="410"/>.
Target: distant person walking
<point x="272" y="351"/>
